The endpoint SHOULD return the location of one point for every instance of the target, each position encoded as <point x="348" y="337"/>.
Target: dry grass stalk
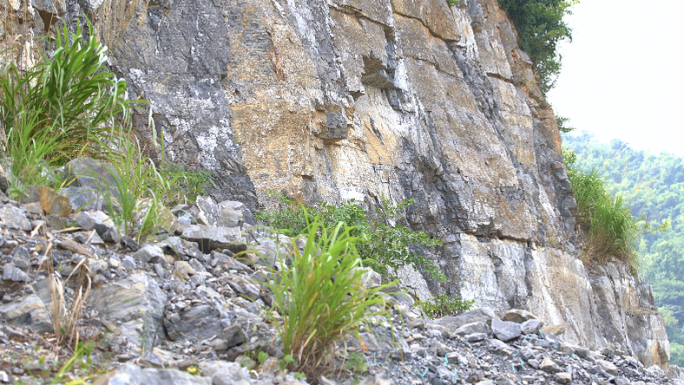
<point x="65" y="321"/>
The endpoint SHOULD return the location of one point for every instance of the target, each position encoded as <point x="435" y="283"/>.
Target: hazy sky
<point x="623" y="73"/>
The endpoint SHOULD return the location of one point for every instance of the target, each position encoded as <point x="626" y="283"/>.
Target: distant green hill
<point x="653" y="185"/>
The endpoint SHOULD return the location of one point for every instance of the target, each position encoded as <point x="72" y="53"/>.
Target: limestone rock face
<point x="372" y="99"/>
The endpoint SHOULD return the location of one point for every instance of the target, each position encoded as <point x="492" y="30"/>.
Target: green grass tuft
<point x="607" y="222"/>
<point x="320" y="296"/>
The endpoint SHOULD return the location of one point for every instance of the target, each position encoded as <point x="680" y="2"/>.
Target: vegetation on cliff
<point x="540" y="28"/>
<point x="653" y="186"/>
<point x="605" y="219"/>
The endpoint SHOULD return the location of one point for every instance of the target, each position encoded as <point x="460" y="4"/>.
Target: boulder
<point x="130" y="374"/>
<point x="21" y="257"/>
<point x="550" y="366"/>
<point x="609" y="367"/>
<point x="229" y="216"/>
<point x="245" y="214"/>
<point x="518" y="316"/>
<point x="563" y="377"/>
<point x="13" y="273"/>
<point x="531" y="326"/>
<point x="137" y="302"/>
<point x="473" y="327"/>
<point x="504" y="330"/>
<point x="149" y="253"/>
<point x="207" y="212"/>
<point x="198" y="322"/>
<point x="183" y="270"/>
<point x="212" y="237"/>
<point x="84" y="198"/>
<point x="92" y="174"/>
<point x="475" y="337"/>
<point x="14" y="218"/>
<point x="224" y="373"/>
<point x="100" y="222"/>
<point x="50" y="202"/>
<point x="29" y="312"/>
<point x="452" y="323"/>
<point x="556" y="330"/>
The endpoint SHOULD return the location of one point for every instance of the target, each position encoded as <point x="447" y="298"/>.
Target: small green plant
<point x="320" y="297"/>
<point x="16" y="191"/>
<point x="444" y="305"/>
<point x="80" y="361"/>
<point x="261" y="357"/>
<point x="194" y="370"/>
<point x="561" y="123"/>
<point x="356" y="362"/>
<point x="383" y="244"/>
<point x="299" y="375"/>
<point x="286" y="361"/>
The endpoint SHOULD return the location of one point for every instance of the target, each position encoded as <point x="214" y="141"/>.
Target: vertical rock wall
<point x="367" y="99"/>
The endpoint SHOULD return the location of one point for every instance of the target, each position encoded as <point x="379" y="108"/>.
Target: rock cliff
<point x="365" y="99"/>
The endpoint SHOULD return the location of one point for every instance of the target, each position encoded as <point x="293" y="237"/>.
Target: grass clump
<point x="135" y="201"/>
<point x="444" y="305"/>
<point x="606" y="220"/>
<point x="383" y="245"/>
<point x="64" y="107"/>
<point x="68" y="99"/>
<point x="320" y="296"/>
<point x="69" y="106"/>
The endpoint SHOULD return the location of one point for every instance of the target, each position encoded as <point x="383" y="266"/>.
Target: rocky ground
<point x="184" y="309"/>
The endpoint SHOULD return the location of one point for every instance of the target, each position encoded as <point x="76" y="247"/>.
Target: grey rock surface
<point x="530" y="326"/>
<point x="213" y="237"/>
<point x="13" y="273"/>
<point x="135" y="375"/>
<point x="14" y="218"/>
<point x="28" y="312"/>
<point x="137" y="302"/>
<point x="504" y="330"/>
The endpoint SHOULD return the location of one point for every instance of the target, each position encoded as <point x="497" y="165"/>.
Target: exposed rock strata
<point x="367" y="99"/>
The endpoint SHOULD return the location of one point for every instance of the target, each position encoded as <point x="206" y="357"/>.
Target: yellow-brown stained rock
<point x="50" y="201"/>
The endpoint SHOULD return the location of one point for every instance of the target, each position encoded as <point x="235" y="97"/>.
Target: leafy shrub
<point x="444" y="305"/>
<point x="561" y="123"/>
<point x="320" y="296"/>
<point x="382" y="245"/>
<point x="540" y="28"/>
<point x="188" y="184"/>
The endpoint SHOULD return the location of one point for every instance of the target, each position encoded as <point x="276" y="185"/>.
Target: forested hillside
<point x="653" y="185"/>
